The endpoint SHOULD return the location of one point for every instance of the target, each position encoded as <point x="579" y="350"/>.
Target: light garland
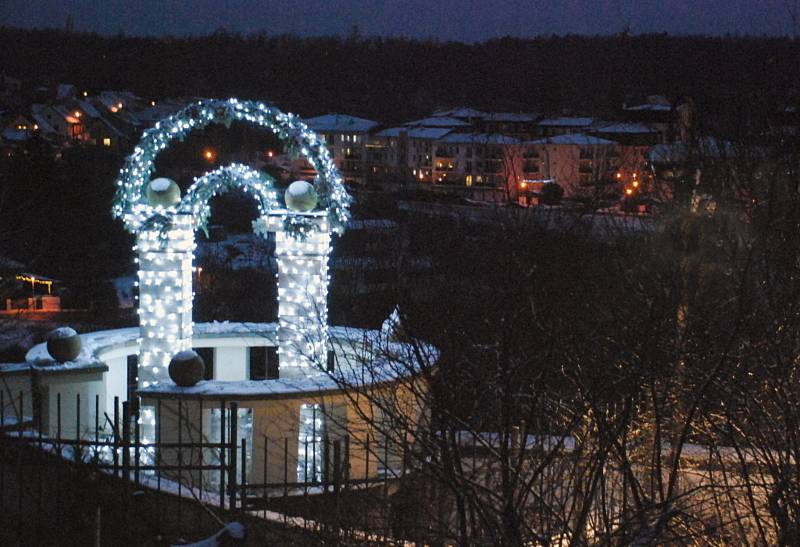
<point x="165" y="236"/>
<point x="302" y="289"/>
<point x="131" y="204"/>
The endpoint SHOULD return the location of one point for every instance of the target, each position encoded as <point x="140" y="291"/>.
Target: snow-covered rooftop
<point x="510" y="117"/>
<point x="363" y="357"/>
<point x="460" y="112"/>
<point x="478" y="138"/>
<point x="649" y="106"/>
<point x="437" y="121"/>
<point x="340" y="123"/>
<point x="423" y="133"/>
<point x="576" y="139"/>
<point x="567" y="121"/>
<point x="624" y="127"/>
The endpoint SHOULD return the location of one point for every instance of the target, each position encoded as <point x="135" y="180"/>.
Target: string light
<point x="165" y="236"/>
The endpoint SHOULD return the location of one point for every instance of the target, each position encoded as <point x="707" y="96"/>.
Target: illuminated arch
<point x="131" y="204"/>
<point x="235" y="175"/>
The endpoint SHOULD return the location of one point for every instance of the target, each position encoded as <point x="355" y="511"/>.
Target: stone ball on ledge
<point x="186" y="368"/>
<point x="63" y="344"/>
<point x="163" y="192"/>
<point x="300" y="196"/>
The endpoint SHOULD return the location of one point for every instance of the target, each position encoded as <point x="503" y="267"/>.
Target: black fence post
<point x="266" y="467"/>
<point x="180" y="462"/>
<point x="137" y="443"/>
<point x="346" y="461"/>
<point x="126" y="442"/>
<point x="243" y="473"/>
<point x="115" y="436"/>
<point x="77" y="424"/>
<point x="222" y="455"/>
<point x="285" y="468"/>
<point x="96" y="426"/>
<point x="58" y="423"/>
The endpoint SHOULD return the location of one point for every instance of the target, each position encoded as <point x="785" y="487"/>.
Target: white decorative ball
<point x="300" y="196"/>
<point x="163" y="192"/>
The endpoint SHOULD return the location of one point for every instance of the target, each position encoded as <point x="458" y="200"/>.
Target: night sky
<point x="463" y="20"/>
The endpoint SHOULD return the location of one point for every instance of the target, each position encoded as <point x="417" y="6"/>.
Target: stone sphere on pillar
<point x="300" y="196"/>
<point x="163" y="192"/>
<point x="63" y="344"/>
<point x="186" y="368"/>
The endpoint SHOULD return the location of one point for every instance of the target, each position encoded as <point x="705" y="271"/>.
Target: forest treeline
<point x="396" y="79"/>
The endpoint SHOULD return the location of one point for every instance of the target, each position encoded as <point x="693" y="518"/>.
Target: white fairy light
<point x="165" y="236"/>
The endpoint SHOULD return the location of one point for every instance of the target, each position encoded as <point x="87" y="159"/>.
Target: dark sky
<point x="465" y="20"/>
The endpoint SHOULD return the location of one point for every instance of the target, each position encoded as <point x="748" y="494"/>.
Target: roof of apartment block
<point x="649" y="106"/>
<point x="511" y="117"/>
<point x="478" y="138"/>
<point x="459" y="112"/>
<point x="624" y="127"/>
<point x="567" y="121"/>
<point x="425" y="133"/>
<point x="340" y="123"/>
<point x="577" y="139"/>
<point x="438" y="121"/>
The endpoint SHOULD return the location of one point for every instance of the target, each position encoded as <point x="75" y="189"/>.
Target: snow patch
<point x="61" y="332"/>
<point x="160" y="184"/>
<point x="185" y="355"/>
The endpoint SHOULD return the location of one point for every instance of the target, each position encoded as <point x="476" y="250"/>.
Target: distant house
<point x="67" y="123"/>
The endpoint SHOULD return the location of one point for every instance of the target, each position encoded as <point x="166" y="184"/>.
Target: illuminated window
<point x="106" y="141"/>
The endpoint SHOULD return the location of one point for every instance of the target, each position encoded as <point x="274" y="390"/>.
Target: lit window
<point x="106" y="141"/>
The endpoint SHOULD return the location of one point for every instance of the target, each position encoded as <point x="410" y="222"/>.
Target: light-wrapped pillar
<point x="302" y="291"/>
<point x="165" y="296"/>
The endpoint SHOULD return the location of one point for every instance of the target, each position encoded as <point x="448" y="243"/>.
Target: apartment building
<point x="487" y="160"/>
<point x="410" y="150"/>
<point x="347" y="138"/>
<point x="583" y="165"/>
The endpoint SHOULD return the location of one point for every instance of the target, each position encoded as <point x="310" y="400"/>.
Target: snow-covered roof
<point x="88" y="108"/>
<point x="16" y="135"/>
<point x="151" y="114"/>
<point x="478" y="138"/>
<point x="422" y="133"/>
<point x="624" y="127"/>
<point x="41" y="121"/>
<point x="460" y="112"/>
<point x="371" y="224"/>
<point x="65" y="91"/>
<point x="567" y="121"/>
<point x="510" y="117"/>
<point x="340" y="123"/>
<point x="649" y="106"/>
<point x="577" y="139"/>
<point x="437" y="121"/>
<point x="678" y="152"/>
